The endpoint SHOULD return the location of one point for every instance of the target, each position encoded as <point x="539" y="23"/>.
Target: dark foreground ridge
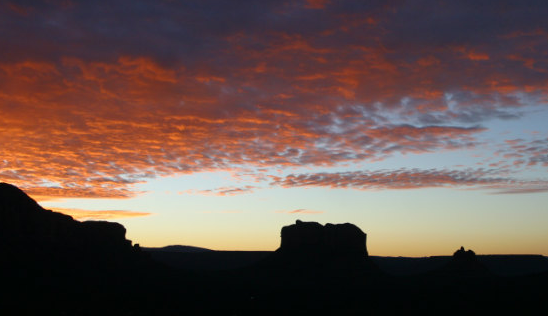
<point x="52" y="264"/>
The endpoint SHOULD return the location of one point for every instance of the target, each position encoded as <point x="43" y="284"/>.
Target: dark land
<point x="52" y="264"/>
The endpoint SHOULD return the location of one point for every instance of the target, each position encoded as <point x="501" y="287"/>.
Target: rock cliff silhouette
<point x="30" y="234"/>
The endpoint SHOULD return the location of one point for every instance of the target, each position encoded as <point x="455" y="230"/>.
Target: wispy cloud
<point x="222" y="191"/>
<point x="405" y="179"/>
<point x="530" y="152"/>
<point x="80" y="214"/>
<point x="382" y="180"/>
<point x="300" y="211"/>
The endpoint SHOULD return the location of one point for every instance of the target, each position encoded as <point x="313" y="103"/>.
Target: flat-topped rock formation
<point x="30" y="232"/>
<point x="330" y="239"/>
<point x="309" y="248"/>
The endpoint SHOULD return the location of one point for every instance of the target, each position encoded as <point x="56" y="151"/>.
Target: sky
<point x="215" y="123"/>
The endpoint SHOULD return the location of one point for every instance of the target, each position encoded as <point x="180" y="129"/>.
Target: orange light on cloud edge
<point x="79" y="214"/>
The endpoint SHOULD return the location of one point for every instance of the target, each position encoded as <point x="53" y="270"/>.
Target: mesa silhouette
<point x="312" y="248"/>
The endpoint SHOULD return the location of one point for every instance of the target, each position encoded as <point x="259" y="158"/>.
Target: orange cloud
<point x="477" y="56"/>
<point x="316" y="4"/>
<point x="99" y="215"/>
<point x="428" y="61"/>
<point x="358" y="83"/>
<point x="114" y="125"/>
<point x="22" y="10"/>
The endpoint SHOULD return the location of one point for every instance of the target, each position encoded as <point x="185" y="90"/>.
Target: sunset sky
<point x="215" y="123"/>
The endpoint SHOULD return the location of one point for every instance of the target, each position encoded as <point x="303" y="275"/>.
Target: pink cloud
<point x="222" y="191"/>
<point x="300" y="211"/>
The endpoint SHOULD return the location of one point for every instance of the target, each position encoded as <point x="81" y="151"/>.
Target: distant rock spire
<point x="464" y="255"/>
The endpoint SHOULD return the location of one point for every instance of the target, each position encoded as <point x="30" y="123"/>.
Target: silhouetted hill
<point x="404" y="266"/>
<point x="514" y="265"/>
<point x="176" y="248"/>
<point x="208" y="260"/>
<point x="502" y="265"/>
